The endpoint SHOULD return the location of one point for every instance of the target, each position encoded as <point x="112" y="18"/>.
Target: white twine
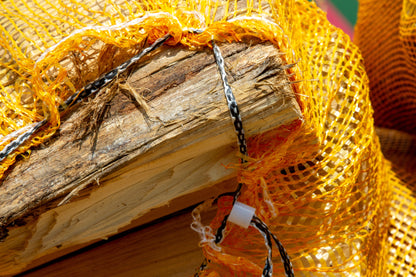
<point x="205" y="232"/>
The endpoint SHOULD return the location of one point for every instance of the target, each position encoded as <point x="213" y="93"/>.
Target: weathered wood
<point x="143" y="159"/>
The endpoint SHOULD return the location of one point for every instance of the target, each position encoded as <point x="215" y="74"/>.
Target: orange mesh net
<point x="390" y="60"/>
<point x="321" y="185"/>
<point x="386" y="35"/>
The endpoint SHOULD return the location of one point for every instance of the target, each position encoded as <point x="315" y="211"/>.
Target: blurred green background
<point x="341" y="13"/>
<point x="348" y="8"/>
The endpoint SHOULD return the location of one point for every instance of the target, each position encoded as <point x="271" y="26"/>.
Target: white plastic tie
<point x="241" y="214"/>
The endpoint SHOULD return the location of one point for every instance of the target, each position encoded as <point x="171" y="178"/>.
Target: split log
<point x="155" y="250"/>
<point x="145" y="162"/>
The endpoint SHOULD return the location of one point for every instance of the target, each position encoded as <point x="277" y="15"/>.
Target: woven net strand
<point x="386" y="35"/>
<point x="321" y="184"/>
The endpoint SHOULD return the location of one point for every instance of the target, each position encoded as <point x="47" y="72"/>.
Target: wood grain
<point x="164" y="248"/>
<point x="158" y="158"/>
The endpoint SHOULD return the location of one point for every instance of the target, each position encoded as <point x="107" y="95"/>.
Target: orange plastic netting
<point x="390" y="60"/>
<point x="322" y="185"/>
<point x="386" y="35"/>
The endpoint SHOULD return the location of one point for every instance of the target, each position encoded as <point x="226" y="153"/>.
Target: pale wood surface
<point x="167" y="248"/>
<point x="146" y="164"/>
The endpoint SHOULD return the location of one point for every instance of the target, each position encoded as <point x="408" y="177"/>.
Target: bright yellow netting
<point x="321" y="184"/>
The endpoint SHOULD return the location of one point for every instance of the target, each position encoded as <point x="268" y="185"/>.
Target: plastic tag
<point x="241" y="214"/>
